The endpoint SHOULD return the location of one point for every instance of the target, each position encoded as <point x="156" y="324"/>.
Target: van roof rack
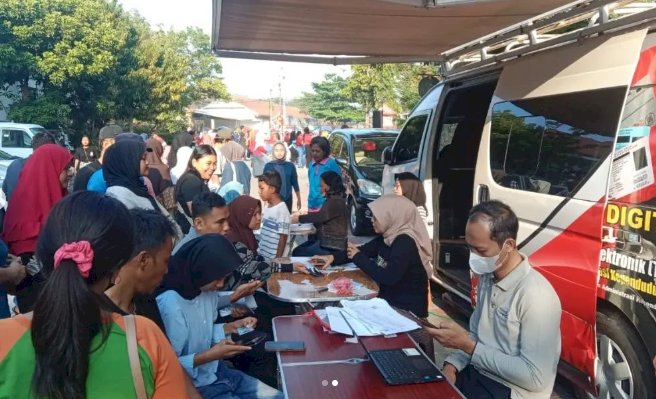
<point x="573" y="22"/>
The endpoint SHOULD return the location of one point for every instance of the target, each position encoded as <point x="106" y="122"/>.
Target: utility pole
<point x="270" y="109"/>
<point x="283" y="109"/>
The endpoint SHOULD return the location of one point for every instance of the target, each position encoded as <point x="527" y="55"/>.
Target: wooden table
<point x="299" y="287"/>
<point x="322" y="373"/>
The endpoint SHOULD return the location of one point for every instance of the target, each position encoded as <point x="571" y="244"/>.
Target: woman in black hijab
<point x="188" y="302"/>
<point x="124" y="166"/>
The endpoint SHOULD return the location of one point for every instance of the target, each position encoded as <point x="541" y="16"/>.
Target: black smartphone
<point x="249" y="339"/>
<point x="284" y="346"/>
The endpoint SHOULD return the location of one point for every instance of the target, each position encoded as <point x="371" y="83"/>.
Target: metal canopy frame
<point x="538" y="33"/>
<point x="603" y="16"/>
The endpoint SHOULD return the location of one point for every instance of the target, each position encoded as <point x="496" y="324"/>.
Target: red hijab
<point x="37" y="191"/>
<point x="242" y="210"/>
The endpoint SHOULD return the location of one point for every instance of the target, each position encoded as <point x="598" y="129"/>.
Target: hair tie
<point x="79" y="252"/>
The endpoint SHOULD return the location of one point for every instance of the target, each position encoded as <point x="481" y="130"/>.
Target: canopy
<point x="353" y="31"/>
<point x="228" y="111"/>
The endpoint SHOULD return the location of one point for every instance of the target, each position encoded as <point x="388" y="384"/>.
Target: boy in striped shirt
<point x="275" y="217"/>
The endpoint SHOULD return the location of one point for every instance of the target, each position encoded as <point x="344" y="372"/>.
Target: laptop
<point x="401" y="366"/>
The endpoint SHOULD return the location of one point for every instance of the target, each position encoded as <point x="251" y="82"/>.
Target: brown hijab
<point x="154" y="158"/>
<point x="242" y="210"/>
<point x="412" y="188"/>
<point x="233" y="151"/>
<point x="398" y="215"/>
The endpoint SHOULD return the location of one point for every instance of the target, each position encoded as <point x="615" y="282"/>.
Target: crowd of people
<point x="139" y="280"/>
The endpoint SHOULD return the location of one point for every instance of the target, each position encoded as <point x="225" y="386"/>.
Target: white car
<point x="16" y="138"/>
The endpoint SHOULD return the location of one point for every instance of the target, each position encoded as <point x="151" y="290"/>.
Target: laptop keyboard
<point x="397" y="368"/>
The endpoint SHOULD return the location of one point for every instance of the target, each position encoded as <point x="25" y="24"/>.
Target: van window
<point x="551" y="144"/>
<point x="16" y="139"/>
<point x="409" y="141"/>
<point x="638" y="117"/>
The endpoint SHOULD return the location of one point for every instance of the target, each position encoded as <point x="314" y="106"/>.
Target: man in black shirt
<point x="15" y="167"/>
<point x="106" y="138"/>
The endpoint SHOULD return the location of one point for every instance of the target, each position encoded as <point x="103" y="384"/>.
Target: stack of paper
<point x="368" y="318"/>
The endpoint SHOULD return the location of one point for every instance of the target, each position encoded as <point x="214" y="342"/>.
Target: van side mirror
<point x="387" y="155"/>
<point x="342" y="161"/>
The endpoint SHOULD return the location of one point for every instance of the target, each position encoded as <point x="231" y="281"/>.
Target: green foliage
<point x="371" y="86"/>
<point x="368" y="88"/>
<point x="49" y="110"/>
<point x="100" y="62"/>
<point x="329" y="102"/>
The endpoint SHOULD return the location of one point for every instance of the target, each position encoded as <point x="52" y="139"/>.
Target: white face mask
<point x="484" y="265"/>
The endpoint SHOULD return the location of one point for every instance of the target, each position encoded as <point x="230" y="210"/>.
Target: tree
<point x="371" y="86"/>
<point x="329" y="102"/>
<point x="91" y="61"/>
<point x="180" y="70"/>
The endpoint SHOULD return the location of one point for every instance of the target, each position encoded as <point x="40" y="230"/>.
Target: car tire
<point x="621" y="354"/>
<point x="355" y="221"/>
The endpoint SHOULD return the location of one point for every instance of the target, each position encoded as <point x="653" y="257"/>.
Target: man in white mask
<point x="513" y="344"/>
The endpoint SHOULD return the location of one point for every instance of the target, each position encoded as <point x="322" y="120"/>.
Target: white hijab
<point x="183" y="155"/>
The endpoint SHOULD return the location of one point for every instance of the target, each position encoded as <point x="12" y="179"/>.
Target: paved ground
<point x="562" y="390"/>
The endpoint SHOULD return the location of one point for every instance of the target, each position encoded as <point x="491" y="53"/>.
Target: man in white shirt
<point x="513" y="344"/>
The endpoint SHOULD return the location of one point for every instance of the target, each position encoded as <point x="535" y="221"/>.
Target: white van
<point x="540" y="133"/>
<point x="17" y="138"/>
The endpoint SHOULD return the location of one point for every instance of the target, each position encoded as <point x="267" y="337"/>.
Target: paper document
<point x="344" y="323"/>
<point x="379" y="316"/>
<point x="368" y="318"/>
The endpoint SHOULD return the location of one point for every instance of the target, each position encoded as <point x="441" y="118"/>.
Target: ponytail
<point x="66" y="318"/>
<point x="86" y="238"/>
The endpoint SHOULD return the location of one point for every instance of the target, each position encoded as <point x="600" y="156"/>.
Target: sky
<point x="251" y="78"/>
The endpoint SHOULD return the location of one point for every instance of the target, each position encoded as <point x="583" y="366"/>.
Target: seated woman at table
<point x="188" y="304"/>
<point x="399" y="260"/>
<point x="245" y="217"/>
<point x="409" y="186"/>
<point x="330" y="220"/>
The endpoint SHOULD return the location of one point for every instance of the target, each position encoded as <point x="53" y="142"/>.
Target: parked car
<point x="359" y="155"/>
<point x="17" y="138"/>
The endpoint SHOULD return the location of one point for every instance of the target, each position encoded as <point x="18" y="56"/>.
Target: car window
<point x="13" y="138"/>
<point x="368" y="150"/>
<point x="337" y="147"/>
<point x="409" y="141"/>
<point x="551" y="144"/>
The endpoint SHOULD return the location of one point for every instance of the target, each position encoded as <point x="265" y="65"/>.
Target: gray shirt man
<point x="516" y="324"/>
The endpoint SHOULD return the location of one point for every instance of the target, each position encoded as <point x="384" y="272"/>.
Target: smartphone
<point x="244" y="330"/>
<point x="251" y="338"/>
<point x="284" y="346"/>
<point x="417" y="319"/>
<point x="318" y="261"/>
<point x="265" y="278"/>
